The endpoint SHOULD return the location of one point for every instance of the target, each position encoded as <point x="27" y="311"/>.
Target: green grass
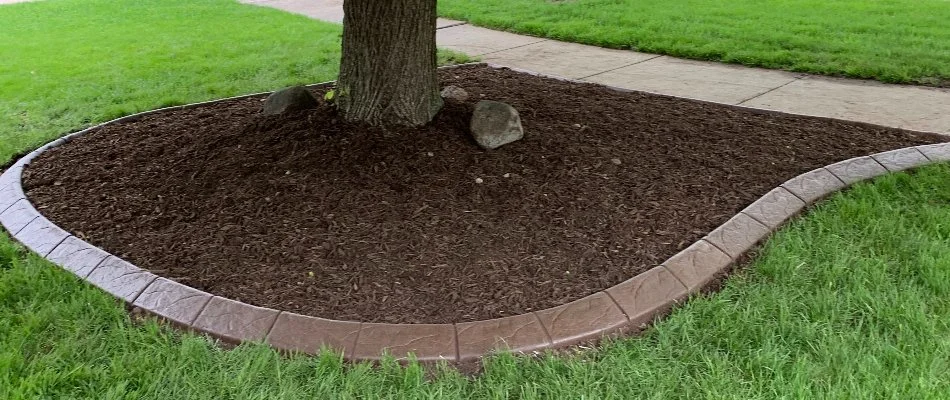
<point x="67" y="64"/>
<point x="851" y="302"/>
<point x="900" y="41"/>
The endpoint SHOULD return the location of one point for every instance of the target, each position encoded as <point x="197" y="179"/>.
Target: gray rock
<point x="292" y="99"/>
<point x="453" y="92"/>
<point x="495" y="124"/>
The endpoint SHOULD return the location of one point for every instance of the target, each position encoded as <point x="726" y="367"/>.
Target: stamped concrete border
<point x="627" y="306"/>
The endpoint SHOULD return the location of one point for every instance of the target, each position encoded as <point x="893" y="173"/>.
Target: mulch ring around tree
<point x="314" y="215"/>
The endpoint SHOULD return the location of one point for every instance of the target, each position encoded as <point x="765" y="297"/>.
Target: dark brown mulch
<point x="313" y="215"/>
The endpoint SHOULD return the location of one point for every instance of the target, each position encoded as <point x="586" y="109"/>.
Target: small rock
<point x="507" y="175"/>
<point x="456" y="93"/>
<point x="615" y="161"/>
<point x="479" y="180"/>
<point x="577" y="125"/>
<point x="292" y="99"/>
<point x="495" y="124"/>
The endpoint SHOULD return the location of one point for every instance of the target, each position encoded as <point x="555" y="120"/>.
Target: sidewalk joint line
<point x="451" y="26"/>
<point x="512" y="48"/>
<point x="622" y="66"/>
<point x="797" y="78"/>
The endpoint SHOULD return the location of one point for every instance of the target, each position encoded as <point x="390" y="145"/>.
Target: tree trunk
<point x="388" y="70"/>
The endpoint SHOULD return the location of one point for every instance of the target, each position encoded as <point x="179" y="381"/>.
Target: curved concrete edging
<point x="626" y="306"/>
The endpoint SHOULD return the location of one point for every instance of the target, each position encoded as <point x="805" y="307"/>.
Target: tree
<point x="388" y="69"/>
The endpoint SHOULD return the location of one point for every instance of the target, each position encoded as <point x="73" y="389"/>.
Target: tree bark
<point x="388" y="70"/>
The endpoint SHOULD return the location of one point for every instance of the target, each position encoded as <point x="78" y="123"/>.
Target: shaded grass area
<point x="897" y="41"/>
<point x="852" y="301"/>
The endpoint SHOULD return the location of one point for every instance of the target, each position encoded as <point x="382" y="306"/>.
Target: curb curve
<point x="627" y="306"/>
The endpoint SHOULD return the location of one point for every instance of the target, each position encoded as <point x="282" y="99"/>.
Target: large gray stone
<point x="495" y="124"/>
<point x="296" y="98"/>
<point x="456" y="93"/>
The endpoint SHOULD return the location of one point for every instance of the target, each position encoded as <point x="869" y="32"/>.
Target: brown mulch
<point x="309" y="214"/>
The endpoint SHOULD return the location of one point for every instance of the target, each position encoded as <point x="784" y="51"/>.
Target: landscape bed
<point x="309" y="214"/>
<point x="850" y="301"/>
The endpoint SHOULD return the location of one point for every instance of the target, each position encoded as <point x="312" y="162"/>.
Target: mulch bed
<point x="309" y="214"/>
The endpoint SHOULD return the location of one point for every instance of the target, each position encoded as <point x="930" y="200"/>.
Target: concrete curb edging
<point x="629" y="305"/>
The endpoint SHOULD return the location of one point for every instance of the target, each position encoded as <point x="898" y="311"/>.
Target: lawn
<point x="69" y="63"/>
<point x="897" y="41"/>
<point x="852" y="301"/>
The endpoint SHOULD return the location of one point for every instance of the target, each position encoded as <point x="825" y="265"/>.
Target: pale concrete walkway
<point x="909" y="107"/>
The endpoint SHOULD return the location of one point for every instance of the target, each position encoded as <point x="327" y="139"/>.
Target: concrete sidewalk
<point x="902" y="106"/>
